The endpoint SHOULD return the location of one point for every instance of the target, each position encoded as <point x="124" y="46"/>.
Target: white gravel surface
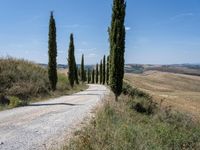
<point x="45" y="125"/>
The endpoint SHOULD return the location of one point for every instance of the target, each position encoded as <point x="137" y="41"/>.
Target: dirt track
<point x="45" y="125"/>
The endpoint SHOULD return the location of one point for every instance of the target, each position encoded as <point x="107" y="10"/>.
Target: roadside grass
<point x="63" y="89"/>
<point x="136" y="122"/>
<point x="22" y="82"/>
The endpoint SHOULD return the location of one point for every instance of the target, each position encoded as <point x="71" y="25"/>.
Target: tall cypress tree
<point x="88" y="75"/>
<point x="97" y="74"/>
<point x="52" y="46"/>
<point x="117" y="46"/>
<point x="71" y="62"/>
<point x="79" y="72"/>
<point x="76" y="74"/>
<point x="107" y="70"/>
<point x="82" y="69"/>
<point x="104" y="70"/>
<point x="93" y="74"/>
<point x="85" y="75"/>
<point x="101" y="72"/>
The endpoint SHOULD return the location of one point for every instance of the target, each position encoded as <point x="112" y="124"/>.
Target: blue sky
<point x="158" y="31"/>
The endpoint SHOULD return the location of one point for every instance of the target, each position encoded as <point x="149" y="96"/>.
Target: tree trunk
<point x="116" y="98"/>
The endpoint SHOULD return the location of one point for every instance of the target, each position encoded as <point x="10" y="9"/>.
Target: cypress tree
<point x="117" y="46"/>
<point x="107" y="70"/>
<point x="101" y="72"/>
<point x="93" y="74"/>
<point x="104" y="70"/>
<point x="76" y="74"/>
<point x="52" y="46"/>
<point x="82" y="69"/>
<point x="85" y="75"/>
<point x="71" y="62"/>
<point x="97" y="73"/>
<point x="79" y="72"/>
<point x="88" y="75"/>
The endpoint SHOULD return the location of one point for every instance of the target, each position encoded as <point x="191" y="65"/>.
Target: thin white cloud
<point x="182" y="15"/>
<point x="91" y="55"/>
<point x="73" y="26"/>
<point x="175" y="18"/>
<point x="128" y="28"/>
<point x="82" y="50"/>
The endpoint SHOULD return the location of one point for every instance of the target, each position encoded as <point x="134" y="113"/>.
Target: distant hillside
<point x="190" y="69"/>
<point x="61" y="66"/>
<point x="182" y="69"/>
<point x="131" y="68"/>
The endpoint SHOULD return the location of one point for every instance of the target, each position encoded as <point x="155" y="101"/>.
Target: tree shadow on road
<point x="97" y="90"/>
<point x="53" y="104"/>
<point x="86" y="95"/>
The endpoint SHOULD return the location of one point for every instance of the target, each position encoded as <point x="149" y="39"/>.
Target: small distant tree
<point x="93" y="74"/>
<point x="101" y="72"/>
<point x="107" y="70"/>
<point x="117" y="46"/>
<point x="88" y="75"/>
<point x="71" y="62"/>
<point x="82" y="69"/>
<point x="52" y="64"/>
<point x="104" y="70"/>
<point x="97" y="73"/>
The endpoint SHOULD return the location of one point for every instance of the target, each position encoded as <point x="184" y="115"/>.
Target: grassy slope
<point x="24" y="81"/>
<point x="119" y="126"/>
<point x="181" y="69"/>
<point x="180" y="91"/>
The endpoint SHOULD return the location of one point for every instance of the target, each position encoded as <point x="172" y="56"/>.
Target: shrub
<point x="4" y="100"/>
<point x="134" y="92"/>
<point x="22" y="79"/>
<point x="16" y="102"/>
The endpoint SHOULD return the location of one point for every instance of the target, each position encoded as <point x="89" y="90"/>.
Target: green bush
<point x="63" y="83"/>
<point x="134" y="92"/>
<point x="16" y="102"/>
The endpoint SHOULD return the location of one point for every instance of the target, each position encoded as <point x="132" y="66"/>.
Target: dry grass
<point x="22" y="79"/>
<point x="118" y="126"/>
<point x="22" y="82"/>
<point x="63" y="71"/>
<point x="177" y="90"/>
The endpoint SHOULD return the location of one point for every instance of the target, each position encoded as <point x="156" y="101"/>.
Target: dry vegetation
<point x="136" y="122"/>
<point x="22" y="81"/>
<point x="177" y="90"/>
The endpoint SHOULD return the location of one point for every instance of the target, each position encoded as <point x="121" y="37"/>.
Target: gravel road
<point x="45" y="125"/>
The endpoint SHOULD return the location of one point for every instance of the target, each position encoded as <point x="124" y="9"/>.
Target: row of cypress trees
<point x="114" y="73"/>
<point x="115" y="61"/>
<point x="73" y="76"/>
<point x="100" y="74"/>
